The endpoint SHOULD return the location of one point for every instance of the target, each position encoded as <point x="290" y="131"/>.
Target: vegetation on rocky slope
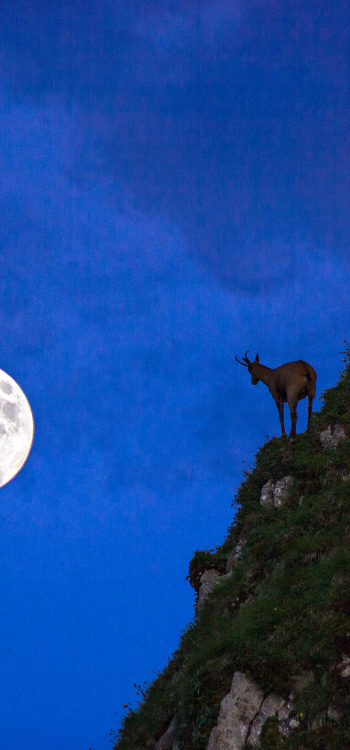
<point x="283" y="612"/>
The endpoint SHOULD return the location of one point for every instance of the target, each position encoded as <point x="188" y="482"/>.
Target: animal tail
<point x="307" y="372"/>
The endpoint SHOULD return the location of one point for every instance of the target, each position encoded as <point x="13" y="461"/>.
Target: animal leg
<point x="309" y="409"/>
<point x="280" y="407"/>
<point x="293" y="417"/>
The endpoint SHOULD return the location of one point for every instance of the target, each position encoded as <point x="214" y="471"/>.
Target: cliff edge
<point x="266" y="661"/>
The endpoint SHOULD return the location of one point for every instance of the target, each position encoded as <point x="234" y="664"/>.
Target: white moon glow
<point x="16" y="428"/>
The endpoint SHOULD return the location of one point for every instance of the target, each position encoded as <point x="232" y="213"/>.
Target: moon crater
<point x="16" y="428"/>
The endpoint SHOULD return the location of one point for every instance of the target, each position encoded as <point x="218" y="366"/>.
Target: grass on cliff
<point x="283" y="612"/>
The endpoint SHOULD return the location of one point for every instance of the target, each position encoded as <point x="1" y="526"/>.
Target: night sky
<point x="174" y="190"/>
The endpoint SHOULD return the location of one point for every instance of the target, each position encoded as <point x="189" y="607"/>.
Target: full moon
<point x="16" y="428"/>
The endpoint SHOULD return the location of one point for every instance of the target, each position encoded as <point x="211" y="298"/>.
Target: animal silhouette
<point x="287" y="383"/>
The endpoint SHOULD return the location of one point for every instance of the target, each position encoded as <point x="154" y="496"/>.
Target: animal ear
<point x="257" y="358"/>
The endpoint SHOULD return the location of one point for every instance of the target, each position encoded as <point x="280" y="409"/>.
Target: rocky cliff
<point x="266" y="661"/>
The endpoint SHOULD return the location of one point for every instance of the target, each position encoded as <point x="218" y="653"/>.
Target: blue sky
<point x="173" y="191"/>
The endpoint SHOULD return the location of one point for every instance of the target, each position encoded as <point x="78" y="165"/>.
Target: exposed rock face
<point x="330" y="438"/>
<point x="275" y="495"/>
<point x="234" y="556"/>
<point x="208" y="580"/>
<point x="273" y="705"/>
<point x="243" y="712"/>
<point x="238" y="709"/>
<point x="282" y="491"/>
<point x="167" y="739"/>
<point x="344" y="667"/>
<point x="266" y="495"/>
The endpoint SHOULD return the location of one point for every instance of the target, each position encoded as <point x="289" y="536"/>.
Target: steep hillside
<point x="272" y="627"/>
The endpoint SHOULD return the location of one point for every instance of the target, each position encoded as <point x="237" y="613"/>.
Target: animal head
<point x="251" y="369"/>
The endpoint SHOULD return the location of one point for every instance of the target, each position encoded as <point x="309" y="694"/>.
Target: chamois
<point x="288" y="383"/>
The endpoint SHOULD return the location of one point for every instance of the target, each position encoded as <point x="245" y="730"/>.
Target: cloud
<point x="125" y="346"/>
<point x="212" y="116"/>
<point x="189" y="26"/>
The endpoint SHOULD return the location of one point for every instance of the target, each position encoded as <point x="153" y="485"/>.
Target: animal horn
<point x="239" y="361"/>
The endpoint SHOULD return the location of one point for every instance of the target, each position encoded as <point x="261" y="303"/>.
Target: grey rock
<point x="270" y="707"/>
<point x="266" y="495"/>
<point x="167" y="739"/>
<point x="284" y="712"/>
<point x="208" y="580"/>
<point x="275" y="495"/>
<point x="237" y="710"/>
<point x="291" y="724"/>
<point x="235" y="555"/>
<point x="344" y="667"/>
<point x="282" y="491"/>
<point x="243" y="712"/>
<point x="283" y="716"/>
<point x="330" y="438"/>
